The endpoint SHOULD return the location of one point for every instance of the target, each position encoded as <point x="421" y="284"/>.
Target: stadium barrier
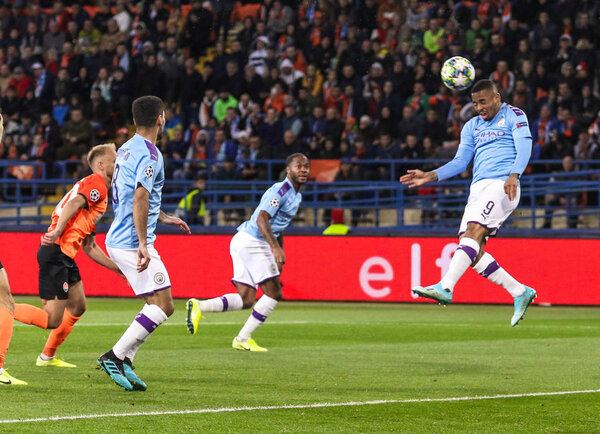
<point x="566" y="201"/>
<point x="377" y="269"/>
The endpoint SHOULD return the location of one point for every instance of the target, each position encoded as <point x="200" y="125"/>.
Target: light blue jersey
<point x="139" y="163"/>
<point x="501" y="146"/>
<point x="281" y="202"/>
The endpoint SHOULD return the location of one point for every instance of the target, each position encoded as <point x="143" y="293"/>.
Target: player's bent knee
<point x="54" y="322"/>
<point x="78" y="310"/>
<point x="168" y="308"/>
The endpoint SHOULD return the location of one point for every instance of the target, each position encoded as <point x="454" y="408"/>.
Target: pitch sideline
<point x="298" y="406"/>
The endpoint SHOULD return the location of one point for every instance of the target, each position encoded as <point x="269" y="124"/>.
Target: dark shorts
<point x="57" y="272"/>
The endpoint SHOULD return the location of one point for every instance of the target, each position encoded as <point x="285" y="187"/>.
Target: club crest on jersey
<point x="94" y="195"/>
<point x="149" y="171"/>
<point x="65" y="287"/>
<point x="159" y="278"/>
<point x="502" y="122"/>
<point x="274" y="202"/>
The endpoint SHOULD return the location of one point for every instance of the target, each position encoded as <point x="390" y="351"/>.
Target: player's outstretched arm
<point x="97" y="255"/>
<point x="69" y="210"/>
<point x="265" y="230"/>
<point x="141" y="205"/>
<point x="174" y="221"/>
<point x="416" y="178"/>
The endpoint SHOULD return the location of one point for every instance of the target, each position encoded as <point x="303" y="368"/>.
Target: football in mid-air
<point x="458" y="73"/>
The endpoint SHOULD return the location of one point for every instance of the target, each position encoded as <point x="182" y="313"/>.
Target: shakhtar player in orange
<point x="73" y="227"/>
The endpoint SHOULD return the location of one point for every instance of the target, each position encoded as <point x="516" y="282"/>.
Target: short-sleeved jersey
<point x="93" y="189"/>
<point x="494" y="144"/>
<point x="281" y="202"/>
<point x="139" y="164"/>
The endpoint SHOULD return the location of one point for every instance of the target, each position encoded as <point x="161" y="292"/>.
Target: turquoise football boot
<point x="435" y="292"/>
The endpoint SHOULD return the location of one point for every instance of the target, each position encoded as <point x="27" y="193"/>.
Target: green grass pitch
<point x="321" y="353"/>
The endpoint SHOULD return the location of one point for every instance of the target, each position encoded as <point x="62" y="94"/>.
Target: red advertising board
<point x="342" y="268"/>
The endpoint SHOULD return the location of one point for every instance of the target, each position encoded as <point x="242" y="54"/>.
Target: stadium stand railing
<point x="549" y="200"/>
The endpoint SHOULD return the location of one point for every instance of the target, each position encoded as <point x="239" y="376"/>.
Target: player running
<point x="258" y="257"/>
<point x="137" y="188"/>
<point x="73" y="227"/>
<point x="500" y="141"/>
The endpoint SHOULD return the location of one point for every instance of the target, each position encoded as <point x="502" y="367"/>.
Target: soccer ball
<point x="458" y="73"/>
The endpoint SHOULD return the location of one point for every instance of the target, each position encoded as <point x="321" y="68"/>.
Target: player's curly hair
<point x="291" y="158"/>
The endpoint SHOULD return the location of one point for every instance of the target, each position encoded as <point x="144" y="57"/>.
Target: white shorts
<point x="488" y="205"/>
<point x="153" y="279"/>
<point x="253" y="261"/>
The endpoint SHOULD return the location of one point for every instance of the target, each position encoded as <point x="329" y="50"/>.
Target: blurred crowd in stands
<point x="336" y="79"/>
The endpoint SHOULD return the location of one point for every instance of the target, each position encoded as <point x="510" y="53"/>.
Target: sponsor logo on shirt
<point x="521" y="124"/>
<point x="488" y="136"/>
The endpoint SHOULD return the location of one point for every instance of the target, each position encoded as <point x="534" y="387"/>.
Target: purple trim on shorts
<point x="492" y="234"/>
<point x="243" y="283"/>
<point x="259" y="316"/>
<point x="146" y="322"/>
<point x="225" y="303"/>
<point x="470" y="251"/>
<point x="268" y="278"/>
<point x="153" y="291"/>
<point x="493" y="266"/>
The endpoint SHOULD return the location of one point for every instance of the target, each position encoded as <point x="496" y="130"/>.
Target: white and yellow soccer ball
<point x="458" y="73"/>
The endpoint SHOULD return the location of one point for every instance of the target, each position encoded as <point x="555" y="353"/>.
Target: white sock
<point x="262" y="309"/>
<point x="45" y="357"/>
<point x="1" y="371"/>
<point x="489" y="268"/>
<point x="226" y="303"/>
<point x="149" y="318"/>
<point x="464" y="255"/>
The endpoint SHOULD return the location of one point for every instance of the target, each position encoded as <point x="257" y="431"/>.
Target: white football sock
<point x="262" y="309"/>
<point x="149" y="318"/>
<point x="489" y="268"/>
<point x="226" y="303"/>
<point x="464" y="255"/>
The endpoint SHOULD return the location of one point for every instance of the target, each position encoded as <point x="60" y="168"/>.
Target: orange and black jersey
<point x="93" y="189"/>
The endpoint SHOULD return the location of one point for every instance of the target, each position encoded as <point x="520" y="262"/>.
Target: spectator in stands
<point x="19" y="81"/>
<point x="77" y="136"/>
<point x="53" y="38"/>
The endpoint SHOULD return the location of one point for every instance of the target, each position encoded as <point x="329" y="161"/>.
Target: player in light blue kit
<point x="499" y="140"/>
<point x="258" y="257"/>
<point x="137" y="183"/>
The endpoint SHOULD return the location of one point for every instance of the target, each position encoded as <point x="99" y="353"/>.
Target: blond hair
<point x="99" y="151"/>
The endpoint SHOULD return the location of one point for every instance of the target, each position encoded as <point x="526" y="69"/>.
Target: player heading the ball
<point x="499" y="142"/>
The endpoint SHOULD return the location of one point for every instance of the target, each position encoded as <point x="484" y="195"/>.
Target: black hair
<point x="146" y="109"/>
<point x="484" y="85"/>
<point x="291" y="158"/>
